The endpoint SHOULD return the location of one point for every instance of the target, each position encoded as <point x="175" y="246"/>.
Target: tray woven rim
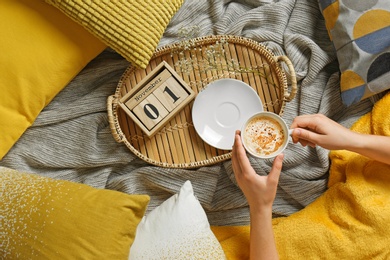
<point x="113" y="106"/>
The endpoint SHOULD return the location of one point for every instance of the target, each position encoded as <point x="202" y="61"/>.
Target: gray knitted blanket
<point x="71" y="138"/>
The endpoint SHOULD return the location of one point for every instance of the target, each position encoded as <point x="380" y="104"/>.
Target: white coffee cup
<point x="265" y="135"/>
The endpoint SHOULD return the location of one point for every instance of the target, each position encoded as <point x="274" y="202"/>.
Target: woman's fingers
<point x="235" y="165"/>
<point x="274" y="174"/>
<point x="242" y="160"/>
<point x="305" y="137"/>
<point x="308" y="121"/>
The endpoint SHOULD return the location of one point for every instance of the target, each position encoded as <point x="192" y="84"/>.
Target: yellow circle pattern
<point x="370" y="22"/>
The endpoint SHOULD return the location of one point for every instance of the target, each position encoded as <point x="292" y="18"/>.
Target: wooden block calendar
<point x="156" y="99"/>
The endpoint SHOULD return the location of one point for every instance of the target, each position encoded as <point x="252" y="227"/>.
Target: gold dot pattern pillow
<point x="43" y="218"/>
<point x="132" y="28"/>
<point x="360" y="31"/>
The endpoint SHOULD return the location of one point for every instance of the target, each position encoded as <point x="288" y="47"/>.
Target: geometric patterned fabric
<point x="360" y="31"/>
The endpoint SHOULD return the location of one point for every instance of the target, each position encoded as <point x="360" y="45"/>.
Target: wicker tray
<point x="200" y="61"/>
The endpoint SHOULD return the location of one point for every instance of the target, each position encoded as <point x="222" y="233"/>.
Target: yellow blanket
<point x="351" y="220"/>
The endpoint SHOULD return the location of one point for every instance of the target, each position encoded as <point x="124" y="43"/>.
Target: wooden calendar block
<point x="147" y="90"/>
<point x="170" y="94"/>
<point x="150" y="111"/>
<point x="156" y="99"/>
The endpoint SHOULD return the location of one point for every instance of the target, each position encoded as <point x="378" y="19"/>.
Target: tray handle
<point x="114" y="125"/>
<point x="289" y="96"/>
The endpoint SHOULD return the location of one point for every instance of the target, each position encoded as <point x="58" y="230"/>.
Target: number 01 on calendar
<point x="156" y="99"/>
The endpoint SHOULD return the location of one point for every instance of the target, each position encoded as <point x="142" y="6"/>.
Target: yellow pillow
<point x="44" y="218"/>
<point x="41" y="51"/>
<point x="132" y="28"/>
<point x="234" y="240"/>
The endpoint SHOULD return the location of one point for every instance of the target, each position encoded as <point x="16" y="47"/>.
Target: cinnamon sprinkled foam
<point x="263" y="135"/>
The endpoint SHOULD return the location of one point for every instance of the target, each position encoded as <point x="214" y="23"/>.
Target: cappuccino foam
<point x="263" y="135"/>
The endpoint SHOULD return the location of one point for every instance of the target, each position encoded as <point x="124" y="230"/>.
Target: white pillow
<point x="177" y="229"/>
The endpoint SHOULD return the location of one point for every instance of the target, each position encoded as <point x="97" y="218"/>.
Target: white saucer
<point x="221" y="109"/>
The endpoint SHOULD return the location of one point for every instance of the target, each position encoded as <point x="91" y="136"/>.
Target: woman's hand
<point x="260" y="191"/>
<point x="319" y="130"/>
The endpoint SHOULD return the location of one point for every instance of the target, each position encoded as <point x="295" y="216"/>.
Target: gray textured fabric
<point x="71" y="138"/>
